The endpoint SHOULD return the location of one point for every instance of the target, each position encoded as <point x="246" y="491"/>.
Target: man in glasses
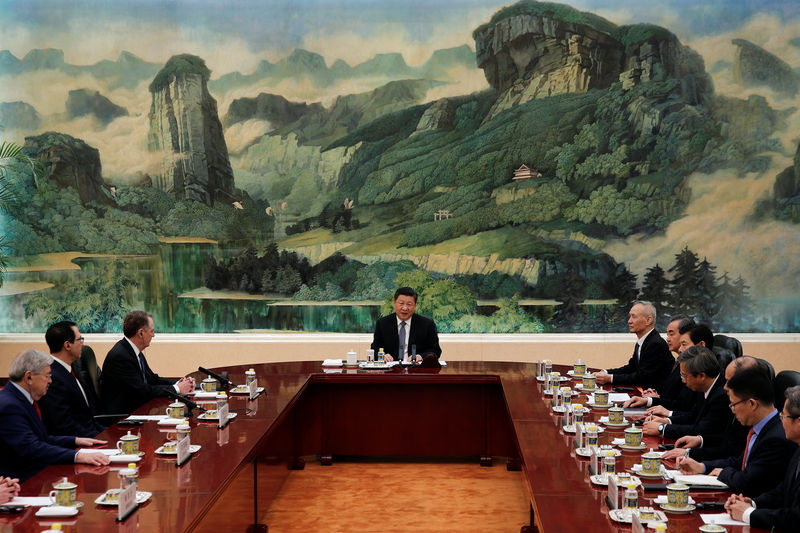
<point x="778" y="509"/>
<point x="766" y="449"/>
<point x="69" y="407"/>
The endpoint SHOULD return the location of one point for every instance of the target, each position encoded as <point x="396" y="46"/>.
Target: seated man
<point x="9" y="489"/>
<point x="717" y="445"/>
<point x="68" y="407"/>
<point x="404" y="332"/>
<point x="651" y="361"/>
<point x="700" y="371"/>
<point x="673" y="394"/>
<point x="778" y="509"/>
<point x="766" y="449"/>
<point x="25" y="445"/>
<point x="127" y="381"/>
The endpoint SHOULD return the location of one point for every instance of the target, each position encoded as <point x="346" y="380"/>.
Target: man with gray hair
<point x="25" y="445"/>
<point x="778" y="509"/>
<point x="651" y="361"/>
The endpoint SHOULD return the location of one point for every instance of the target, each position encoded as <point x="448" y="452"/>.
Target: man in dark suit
<point x="701" y="372"/>
<point x="403" y="333"/>
<point x="672" y="394"/>
<point x="25" y="445"/>
<point x="68" y="407"/>
<point x="127" y="381"/>
<point x="651" y="361"/>
<point x="778" y="509"/>
<point x="766" y="449"/>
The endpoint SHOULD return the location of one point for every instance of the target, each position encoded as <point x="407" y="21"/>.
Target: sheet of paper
<point x="106" y="451"/>
<point x="332" y="362"/>
<point x="146" y="417"/>
<point x="616" y="397"/>
<point x="699" y="479"/>
<point x="33" y="501"/>
<point x="722" y="519"/>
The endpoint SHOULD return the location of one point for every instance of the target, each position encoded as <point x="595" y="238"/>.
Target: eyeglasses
<point x="684" y="377"/>
<point x="787" y="416"/>
<point x="80" y="339"/>
<point x="734" y="404"/>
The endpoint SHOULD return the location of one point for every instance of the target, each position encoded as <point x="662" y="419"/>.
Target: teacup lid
<point x="222" y="394"/>
<point x="65" y="485"/>
<point x="251" y="371"/>
<point x="209" y="378"/>
<point x="176" y="403"/>
<point x="677" y="486"/>
<point x="129" y="436"/>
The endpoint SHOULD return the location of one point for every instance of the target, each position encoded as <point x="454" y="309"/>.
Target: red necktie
<point x="36" y="406"/>
<point x="746" y="448"/>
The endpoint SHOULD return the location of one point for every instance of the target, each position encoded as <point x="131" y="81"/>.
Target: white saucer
<point x="192" y="449"/>
<point x="57" y="510"/>
<point x="677" y="510"/>
<point x="242" y="389"/>
<point x="202" y="416"/>
<point x="633" y="448"/>
<point x="624" y="516"/>
<point x="141" y="497"/>
<point x="571" y="429"/>
<point x="587" y="452"/>
<point x="598" y="479"/>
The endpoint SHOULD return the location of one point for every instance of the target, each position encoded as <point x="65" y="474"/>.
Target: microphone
<point x="180" y="397"/>
<point x="224" y="381"/>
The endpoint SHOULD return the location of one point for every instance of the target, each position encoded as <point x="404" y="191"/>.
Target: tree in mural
<point x="684" y="284"/>
<point x="655" y="290"/>
<point x="623" y="289"/>
<point x="97" y="301"/>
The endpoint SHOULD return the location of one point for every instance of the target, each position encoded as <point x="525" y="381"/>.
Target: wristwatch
<point x="661" y="429"/>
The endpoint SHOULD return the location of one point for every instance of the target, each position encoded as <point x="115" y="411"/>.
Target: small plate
<point x="608" y="424"/>
<point x="677" y="510"/>
<point x="579" y="386"/>
<point x="120" y="458"/>
<point x="242" y="389"/>
<point x="571" y="429"/>
<point x="559" y="409"/>
<point x="141" y="497"/>
<point x="192" y="449"/>
<point x="587" y="452"/>
<point x="633" y="448"/>
<point x="712" y="528"/>
<point x="638" y="471"/>
<point x="600" y="406"/>
<point x="58" y="510"/>
<point x="624" y="516"/>
<point x="598" y="479"/>
<point x="560" y="378"/>
<point x="203" y="417"/>
<point x="374" y="366"/>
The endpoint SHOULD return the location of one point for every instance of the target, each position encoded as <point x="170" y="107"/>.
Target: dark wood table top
<point x="562" y="496"/>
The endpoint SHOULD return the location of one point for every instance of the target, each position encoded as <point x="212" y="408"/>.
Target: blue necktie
<point x="402" y="335"/>
<point x="141" y="364"/>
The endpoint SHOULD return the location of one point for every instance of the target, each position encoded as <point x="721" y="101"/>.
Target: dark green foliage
<point x="97" y="300"/>
<point x="622" y="287"/>
<point x="684" y="283"/>
<point x="654" y="288"/>
<point x="494" y="285"/>
<point x="551" y="10"/>
<point x="179" y="64"/>
<point x="633" y="34"/>
<point x="269" y="272"/>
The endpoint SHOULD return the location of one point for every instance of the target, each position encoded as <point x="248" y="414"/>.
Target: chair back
<point x="767" y="367"/>
<point x="728" y="343"/>
<point x="87" y="368"/>
<point x="783" y="380"/>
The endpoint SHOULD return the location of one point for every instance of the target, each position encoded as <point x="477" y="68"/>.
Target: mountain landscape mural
<point x="528" y="167"/>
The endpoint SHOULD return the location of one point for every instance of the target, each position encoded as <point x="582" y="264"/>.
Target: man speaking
<point x="404" y="333"/>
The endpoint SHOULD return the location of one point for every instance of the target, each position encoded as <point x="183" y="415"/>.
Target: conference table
<point x="494" y="413"/>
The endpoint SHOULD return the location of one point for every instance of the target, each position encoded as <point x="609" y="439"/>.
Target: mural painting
<point x="528" y="167"/>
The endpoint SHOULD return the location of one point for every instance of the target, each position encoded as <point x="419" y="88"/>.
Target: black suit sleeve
<point x="654" y="365"/>
<point x="123" y="387"/>
<point x="712" y="416"/>
<point x="780" y="507"/>
<point x="767" y="459"/>
<point x="64" y="410"/>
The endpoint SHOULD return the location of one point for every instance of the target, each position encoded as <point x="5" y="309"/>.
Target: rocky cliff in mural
<point x="533" y="50"/>
<point x="70" y="162"/>
<point x="185" y="128"/>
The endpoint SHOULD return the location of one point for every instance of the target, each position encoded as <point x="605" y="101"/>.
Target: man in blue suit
<point x="25" y="445"/>
<point x="766" y="449"/>
<point x="778" y="509"/>
<point x="68" y="408"/>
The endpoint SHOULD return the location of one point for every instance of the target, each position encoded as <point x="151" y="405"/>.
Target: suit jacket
<point x="64" y="410"/>
<point x="780" y="507"/>
<point x="422" y="333"/>
<point x="651" y="368"/>
<point x="674" y="394"/>
<point x="25" y="446"/>
<point x="768" y="455"/>
<point x="123" y="387"/>
<point x="729" y="443"/>
<point x="709" y="415"/>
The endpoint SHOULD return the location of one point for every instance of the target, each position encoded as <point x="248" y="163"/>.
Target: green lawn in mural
<point x="528" y="168"/>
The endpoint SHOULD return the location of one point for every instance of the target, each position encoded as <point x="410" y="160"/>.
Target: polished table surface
<point x="489" y="409"/>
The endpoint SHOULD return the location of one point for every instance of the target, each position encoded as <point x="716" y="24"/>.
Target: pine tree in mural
<point x="707" y="292"/>
<point x="623" y="288"/>
<point x="684" y="285"/>
<point x="655" y="289"/>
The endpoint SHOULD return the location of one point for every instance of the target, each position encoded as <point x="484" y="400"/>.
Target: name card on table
<point x="183" y="451"/>
<point x="253" y="386"/>
<point x="127" y="502"/>
<point x="636" y="524"/>
<point x="593" y="462"/>
<point x="579" y="435"/>
<point x="222" y="413"/>
<point x="613" y="492"/>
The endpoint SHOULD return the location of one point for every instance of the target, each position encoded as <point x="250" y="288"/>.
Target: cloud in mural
<point x="722" y="206"/>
